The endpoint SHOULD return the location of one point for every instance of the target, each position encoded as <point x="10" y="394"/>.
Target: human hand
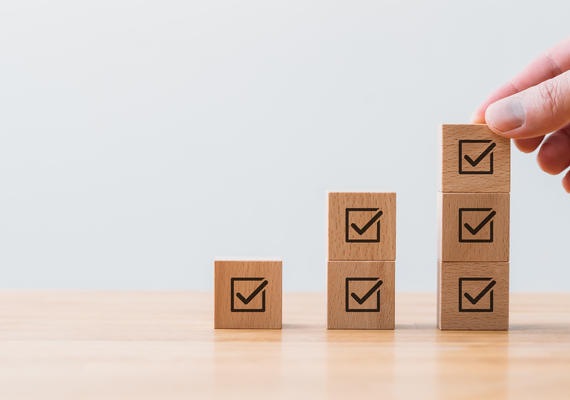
<point x="533" y="104"/>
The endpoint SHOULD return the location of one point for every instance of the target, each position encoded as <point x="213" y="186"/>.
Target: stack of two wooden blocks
<point x="473" y="270"/>
<point x="361" y="265"/>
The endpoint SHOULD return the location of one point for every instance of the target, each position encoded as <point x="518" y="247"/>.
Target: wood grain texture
<point x="473" y="295"/>
<point x="360" y="294"/>
<point x="248" y="294"/>
<point x="356" y="230"/>
<point x="474" y="226"/>
<point x="161" y="345"/>
<point x="474" y="159"/>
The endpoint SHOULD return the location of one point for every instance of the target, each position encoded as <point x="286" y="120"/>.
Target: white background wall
<point x="140" y="140"/>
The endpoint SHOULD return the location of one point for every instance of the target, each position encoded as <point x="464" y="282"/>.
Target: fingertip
<point x="544" y="159"/>
<point x="554" y="154"/>
<point x="566" y="182"/>
<point x="506" y="116"/>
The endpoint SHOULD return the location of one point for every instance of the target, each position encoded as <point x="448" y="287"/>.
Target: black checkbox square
<point x="476" y="225"/>
<point x="476" y="294"/>
<point x="362" y="294"/>
<point x="248" y="294"/>
<point x="362" y="225"/>
<point x="476" y="157"/>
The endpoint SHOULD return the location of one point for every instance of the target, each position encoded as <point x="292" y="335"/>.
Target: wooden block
<point x="362" y="226"/>
<point x="474" y="226"/>
<point x="474" y="160"/>
<point x="360" y="295"/>
<point x="247" y="294"/>
<point x="473" y="295"/>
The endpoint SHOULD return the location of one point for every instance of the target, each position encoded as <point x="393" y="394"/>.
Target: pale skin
<point x="533" y="109"/>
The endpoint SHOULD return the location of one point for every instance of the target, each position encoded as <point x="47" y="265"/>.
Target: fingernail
<point x="505" y="115"/>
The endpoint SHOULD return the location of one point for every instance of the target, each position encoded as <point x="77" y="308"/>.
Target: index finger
<point x="548" y="65"/>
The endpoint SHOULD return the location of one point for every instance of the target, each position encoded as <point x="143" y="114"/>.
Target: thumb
<point x="536" y="111"/>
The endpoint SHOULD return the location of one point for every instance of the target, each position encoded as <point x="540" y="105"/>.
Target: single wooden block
<point x="473" y="295"/>
<point x="474" y="160"/>
<point x="362" y="226"/>
<point x="247" y="294"/>
<point x="474" y="226"/>
<point x="360" y="295"/>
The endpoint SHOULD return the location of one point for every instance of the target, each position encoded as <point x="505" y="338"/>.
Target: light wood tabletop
<point x="162" y="345"/>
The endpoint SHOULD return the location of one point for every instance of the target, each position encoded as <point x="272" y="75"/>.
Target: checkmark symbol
<point x="475" y="300"/>
<point x="368" y="294"/>
<point x="475" y="230"/>
<point x="246" y="300"/>
<point x="360" y="231"/>
<point x="475" y="162"/>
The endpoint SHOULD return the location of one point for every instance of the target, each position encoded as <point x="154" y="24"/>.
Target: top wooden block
<point x="474" y="160"/>
<point x="362" y="226"/>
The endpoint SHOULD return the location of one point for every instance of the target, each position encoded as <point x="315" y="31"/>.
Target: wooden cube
<point x="474" y="160"/>
<point x="474" y="226"/>
<point x="360" y="295"/>
<point x="247" y="294"/>
<point x="362" y="226"/>
<point x="473" y="295"/>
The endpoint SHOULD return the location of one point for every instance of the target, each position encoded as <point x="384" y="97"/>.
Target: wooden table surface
<point x="162" y="345"/>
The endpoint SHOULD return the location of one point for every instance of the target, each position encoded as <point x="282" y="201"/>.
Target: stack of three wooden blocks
<point x="474" y="205"/>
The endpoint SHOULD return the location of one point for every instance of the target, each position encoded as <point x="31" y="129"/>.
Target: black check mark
<point x="480" y="295"/>
<point x="253" y="294"/>
<point x="481" y="156"/>
<point x="368" y="294"/>
<point x="368" y="224"/>
<point x="475" y="230"/>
